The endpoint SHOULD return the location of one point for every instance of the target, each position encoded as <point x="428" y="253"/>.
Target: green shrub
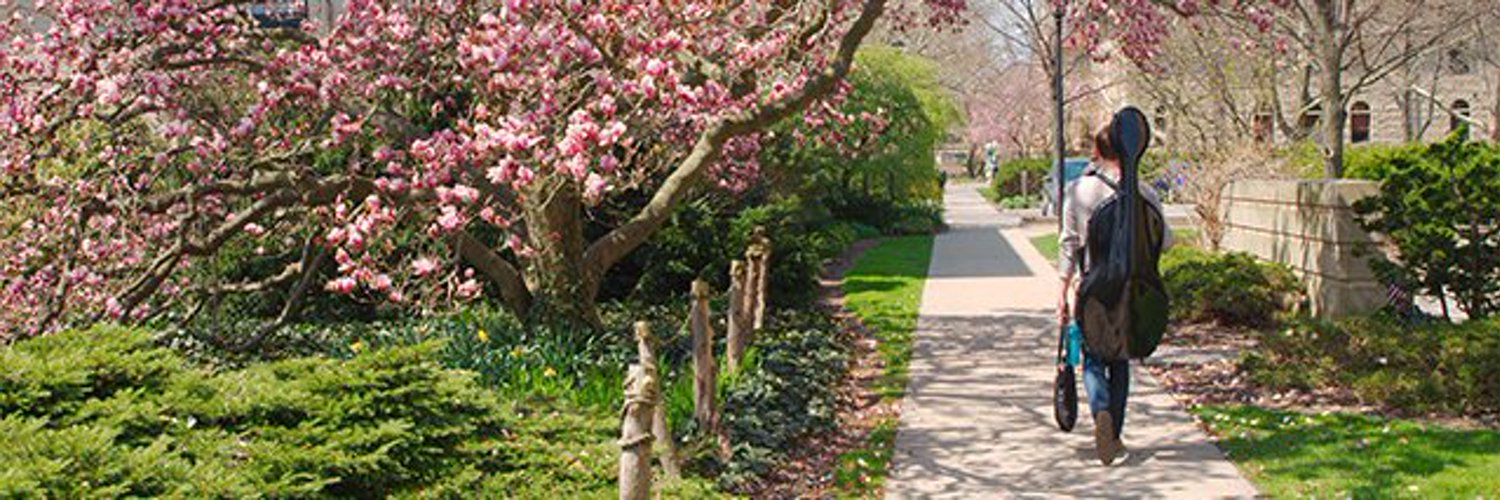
<point x="1020" y="201"/>
<point x="785" y="389"/>
<point x="1021" y="176"/>
<point x="1230" y="288"/>
<point x="1362" y="161"/>
<point x="799" y="243"/>
<point x="1440" y="207"/>
<point x="1373" y="161"/>
<point x="104" y="412"/>
<point x="702" y="238"/>
<point x="916" y="218"/>
<point x="1436" y="366"/>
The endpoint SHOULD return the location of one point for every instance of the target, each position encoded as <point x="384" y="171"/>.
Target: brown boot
<point x="1106" y="445"/>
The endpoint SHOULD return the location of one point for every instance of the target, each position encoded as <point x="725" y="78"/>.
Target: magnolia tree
<point x="424" y="147"/>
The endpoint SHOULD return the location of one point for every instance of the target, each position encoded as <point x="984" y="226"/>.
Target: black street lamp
<point x="1057" y="92"/>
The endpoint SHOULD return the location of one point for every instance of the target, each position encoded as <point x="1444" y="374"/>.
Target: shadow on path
<point x="977" y="419"/>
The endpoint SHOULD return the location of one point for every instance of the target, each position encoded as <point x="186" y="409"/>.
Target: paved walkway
<point x="977" y="418"/>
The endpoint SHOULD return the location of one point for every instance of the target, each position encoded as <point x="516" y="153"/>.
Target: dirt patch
<point x="808" y="471"/>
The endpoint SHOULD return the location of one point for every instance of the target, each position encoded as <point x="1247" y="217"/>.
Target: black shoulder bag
<point x="1065" y="386"/>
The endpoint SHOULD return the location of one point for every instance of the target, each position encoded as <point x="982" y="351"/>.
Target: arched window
<point x="1459" y="115"/>
<point x="1359" y="122"/>
<point x="1262" y="126"/>
<point x="1310" y="118"/>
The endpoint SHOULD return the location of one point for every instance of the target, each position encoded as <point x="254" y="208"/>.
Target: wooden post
<point x="705" y="374"/>
<point x="738" y="336"/>
<point x="759" y="255"/>
<point x="663" y="433"/>
<point x="635" y="429"/>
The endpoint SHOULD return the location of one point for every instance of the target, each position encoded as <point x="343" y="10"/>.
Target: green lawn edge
<point x="1341" y="455"/>
<point x="1047" y="244"/>
<point x="884" y="289"/>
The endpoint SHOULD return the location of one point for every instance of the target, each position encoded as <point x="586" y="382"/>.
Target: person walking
<point x="1107" y="383"/>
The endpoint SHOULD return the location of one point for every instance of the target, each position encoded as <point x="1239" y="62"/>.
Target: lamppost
<point x="1057" y="93"/>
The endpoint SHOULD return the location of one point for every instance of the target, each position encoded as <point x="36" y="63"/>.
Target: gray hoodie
<point x="1084" y="195"/>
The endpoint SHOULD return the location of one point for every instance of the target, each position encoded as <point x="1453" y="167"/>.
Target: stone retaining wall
<point x="1310" y="226"/>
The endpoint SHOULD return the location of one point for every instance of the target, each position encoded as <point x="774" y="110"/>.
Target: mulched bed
<point x="1223" y="381"/>
<point x="807" y="471"/>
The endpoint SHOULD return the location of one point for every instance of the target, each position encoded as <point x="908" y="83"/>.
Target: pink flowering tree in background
<point x="425" y="148"/>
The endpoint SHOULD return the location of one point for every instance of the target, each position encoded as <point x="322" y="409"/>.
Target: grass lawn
<point x="1047" y="243"/>
<point x="1291" y="454"/>
<point x="885" y="289"/>
<point x="989" y="193"/>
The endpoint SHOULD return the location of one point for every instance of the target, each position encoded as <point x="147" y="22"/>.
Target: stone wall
<point x="1310" y="226"/>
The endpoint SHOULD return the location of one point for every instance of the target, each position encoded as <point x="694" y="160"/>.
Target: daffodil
<point x="483" y="335"/>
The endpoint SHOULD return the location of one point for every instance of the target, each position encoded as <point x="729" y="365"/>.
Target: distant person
<point x="942" y="179"/>
<point x="1106" y="382"/>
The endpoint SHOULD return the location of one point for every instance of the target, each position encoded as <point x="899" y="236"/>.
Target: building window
<point x="1359" y="122"/>
<point x="1458" y="118"/>
<point x="1262" y="125"/>
<point x="1310" y="118"/>
<point x="1456" y="61"/>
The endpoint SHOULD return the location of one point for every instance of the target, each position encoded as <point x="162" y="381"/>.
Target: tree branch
<point x="513" y="289"/>
<point x="608" y="250"/>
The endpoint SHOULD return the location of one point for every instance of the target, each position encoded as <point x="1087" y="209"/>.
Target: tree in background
<point x="896" y="115"/>
<point x="1349" y="45"/>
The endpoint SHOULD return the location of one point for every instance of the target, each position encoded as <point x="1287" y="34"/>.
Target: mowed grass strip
<point x="1342" y="455"/>
<point x="1047" y="244"/>
<point x="884" y="288"/>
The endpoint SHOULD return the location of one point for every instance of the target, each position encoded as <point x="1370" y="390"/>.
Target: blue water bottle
<point x="1075" y="344"/>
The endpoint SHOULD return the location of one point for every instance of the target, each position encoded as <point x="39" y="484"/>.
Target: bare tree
<point x="1356" y="43"/>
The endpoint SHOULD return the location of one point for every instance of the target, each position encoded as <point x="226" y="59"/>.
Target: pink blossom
<point x="381" y="282"/>
<point x="341" y="285"/>
<point x="423" y="266"/>
<point x="468" y="289"/>
<point x="450" y="219"/>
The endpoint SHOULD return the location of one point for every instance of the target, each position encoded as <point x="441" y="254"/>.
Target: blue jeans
<point x="1108" y="385"/>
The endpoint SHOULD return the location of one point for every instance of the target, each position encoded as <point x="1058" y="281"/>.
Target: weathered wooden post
<point x="738" y="336"/>
<point x="705" y="376"/>
<point x="641" y="395"/>
<point x="759" y="255"/>
<point x="663" y="433"/>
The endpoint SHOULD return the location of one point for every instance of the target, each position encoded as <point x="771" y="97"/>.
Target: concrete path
<point x="977" y="418"/>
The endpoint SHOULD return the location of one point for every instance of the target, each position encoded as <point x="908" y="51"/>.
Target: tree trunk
<point x="1330" y="78"/>
<point x="1495" y="108"/>
<point x="560" y="285"/>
